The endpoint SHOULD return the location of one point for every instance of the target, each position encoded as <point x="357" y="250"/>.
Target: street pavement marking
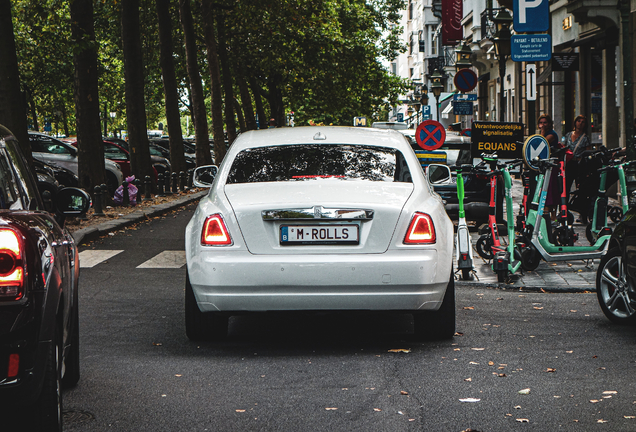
<point x="166" y="259"/>
<point x="90" y="258"/>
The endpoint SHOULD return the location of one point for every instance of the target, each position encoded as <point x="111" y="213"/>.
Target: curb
<point x="525" y="288"/>
<point x="94" y="232"/>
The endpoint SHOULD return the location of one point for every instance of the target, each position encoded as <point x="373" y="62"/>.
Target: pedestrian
<point x="546" y="129"/>
<point x="272" y="123"/>
<point x="578" y="141"/>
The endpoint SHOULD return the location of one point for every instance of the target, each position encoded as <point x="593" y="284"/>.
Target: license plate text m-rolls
<point x="318" y="234"/>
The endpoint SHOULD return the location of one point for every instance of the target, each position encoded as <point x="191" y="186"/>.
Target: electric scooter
<point x="523" y="207"/>
<point x="463" y="245"/>
<point x="535" y="242"/>
<point x="505" y="258"/>
<point x="598" y="226"/>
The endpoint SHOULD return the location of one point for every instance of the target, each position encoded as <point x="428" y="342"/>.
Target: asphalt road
<point x="334" y="372"/>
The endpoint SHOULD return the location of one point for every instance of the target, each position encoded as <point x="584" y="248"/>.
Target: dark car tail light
<point x="421" y="230"/>
<point x="215" y="232"/>
<point x="14" y="365"/>
<point x="11" y="265"/>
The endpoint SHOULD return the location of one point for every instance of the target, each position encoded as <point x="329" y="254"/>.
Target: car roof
<point x="319" y="135"/>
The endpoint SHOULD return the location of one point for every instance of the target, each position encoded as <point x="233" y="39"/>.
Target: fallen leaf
<point x="411" y="420"/>
<point x="470" y="400"/>
<point x="610" y="392"/>
<point x="469" y="307"/>
<point x="630" y="417"/>
<point x="594" y="401"/>
<point x="502" y="375"/>
<point x="550" y="370"/>
<point x="601" y="421"/>
<point x="377" y="409"/>
<point x="478" y="349"/>
<point x="522" y="420"/>
<point x="607" y="397"/>
<point x="517" y="406"/>
<point x="400" y="350"/>
<point x="457" y="349"/>
<point x="524" y="391"/>
<point x="468" y="379"/>
<point x="177" y="375"/>
<point x="400" y="413"/>
<point x="499" y="298"/>
<point x="459" y="334"/>
<point x="331" y="409"/>
<point x="573" y="310"/>
<point x="490" y="363"/>
<point x="404" y="392"/>
<point x="473" y="363"/>
<point x="538" y="308"/>
<point x="569" y="352"/>
<point x="240" y="410"/>
<point x="157" y="343"/>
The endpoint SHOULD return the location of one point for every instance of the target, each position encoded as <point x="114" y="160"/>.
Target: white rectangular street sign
<point x="531" y="82"/>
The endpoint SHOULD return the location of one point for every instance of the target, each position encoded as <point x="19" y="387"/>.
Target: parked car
<point x="58" y="153"/>
<point x="188" y="147"/>
<point x="39" y="274"/>
<point x="616" y="273"/>
<point x="190" y="158"/>
<point x="314" y="219"/>
<point x="160" y="161"/>
<point x="456" y="151"/>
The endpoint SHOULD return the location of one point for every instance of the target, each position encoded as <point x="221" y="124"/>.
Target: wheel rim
<point x="617" y="290"/>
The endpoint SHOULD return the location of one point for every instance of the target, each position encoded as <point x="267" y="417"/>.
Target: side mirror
<point x="204" y="175"/>
<point x="438" y="174"/>
<point x="72" y="201"/>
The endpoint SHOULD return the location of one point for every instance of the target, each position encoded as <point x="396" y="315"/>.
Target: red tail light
<point x="14" y="365"/>
<point x="421" y="230"/>
<point x="215" y="232"/>
<point x="11" y="265"/>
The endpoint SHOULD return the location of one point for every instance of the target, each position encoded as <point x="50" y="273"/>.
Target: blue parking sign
<point x="531" y="15"/>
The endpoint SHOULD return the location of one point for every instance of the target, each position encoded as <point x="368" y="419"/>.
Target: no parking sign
<point x="430" y="135"/>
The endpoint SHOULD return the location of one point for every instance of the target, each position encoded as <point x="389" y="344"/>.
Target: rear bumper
<point x="395" y="280"/>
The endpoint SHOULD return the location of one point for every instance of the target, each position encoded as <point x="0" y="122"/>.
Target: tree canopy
<point x="321" y="59"/>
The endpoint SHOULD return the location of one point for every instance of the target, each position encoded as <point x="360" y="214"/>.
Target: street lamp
<point x="462" y="60"/>
<point x="437" y="88"/>
<point x="501" y="39"/>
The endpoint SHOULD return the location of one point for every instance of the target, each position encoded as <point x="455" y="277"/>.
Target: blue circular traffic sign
<point x="535" y="148"/>
<point x="465" y="80"/>
<point x="430" y="135"/>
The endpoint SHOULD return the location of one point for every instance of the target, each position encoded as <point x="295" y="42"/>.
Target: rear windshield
<point x="312" y="162"/>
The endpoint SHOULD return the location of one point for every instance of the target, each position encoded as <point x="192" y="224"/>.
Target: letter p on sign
<point x="531" y="15"/>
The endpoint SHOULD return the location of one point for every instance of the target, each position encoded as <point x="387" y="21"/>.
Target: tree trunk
<point x="258" y="101"/>
<point x="215" y="78"/>
<point x="276" y="100"/>
<point x="246" y="99"/>
<point x="137" y="129"/>
<point x="173" y="117"/>
<point x="90" y="150"/>
<point x="199" y="115"/>
<point x="33" y="109"/>
<point x="239" y="115"/>
<point x="12" y="107"/>
<point x="228" y="86"/>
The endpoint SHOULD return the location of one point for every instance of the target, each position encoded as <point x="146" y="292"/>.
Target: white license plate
<point x="319" y="234"/>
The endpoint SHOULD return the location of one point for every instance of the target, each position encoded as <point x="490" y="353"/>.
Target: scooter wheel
<point x="588" y="234"/>
<point x="502" y="275"/>
<point x="466" y="274"/>
<point x="484" y="247"/>
<point x="530" y="258"/>
<point x="615" y="214"/>
<point x="562" y="237"/>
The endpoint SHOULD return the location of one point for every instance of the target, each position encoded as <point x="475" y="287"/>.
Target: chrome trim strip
<point x="317" y="212"/>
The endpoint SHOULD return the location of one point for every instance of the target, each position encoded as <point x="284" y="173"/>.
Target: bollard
<point x="147" y="186"/>
<point x="182" y="181"/>
<point x="105" y="196"/>
<point x="190" y="175"/>
<point x="175" y="185"/>
<point x="126" y="199"/>
<point x="137" y="183"/>
<point x="160" y="183"/>
<point x="97" y="201"/>
<point x="167" y="183"/>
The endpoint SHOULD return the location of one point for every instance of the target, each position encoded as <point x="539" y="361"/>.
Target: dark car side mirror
<point x="204" y="176"/>
<point x="72" y="201"/>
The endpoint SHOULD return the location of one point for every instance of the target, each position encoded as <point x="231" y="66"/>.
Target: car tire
<point x="46" y="413"/>
<point x="439" y="324"/>
<point x="615" y="290"/>
<point x="111" y="183"/>
<point x="202" y="326"/>
<point x="72" y="359"/>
